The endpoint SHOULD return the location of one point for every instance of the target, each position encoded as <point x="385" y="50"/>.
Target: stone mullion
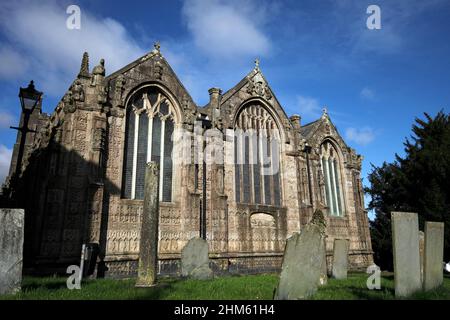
<point x="149" y="137"/>
<point x="242" y="159"/>
<point x="251" y="178"/>
<point x="340" y="200"/>
<point x="333" y="180"/>
<point x="135" y="150"/>
<point x="260" y="161"/>
<point x="161" y="159"/>
<point x="329" y="186"/>
<point x="272" y="175"/>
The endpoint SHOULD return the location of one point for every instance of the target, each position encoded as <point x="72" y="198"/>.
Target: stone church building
<point x="82" y="176"/>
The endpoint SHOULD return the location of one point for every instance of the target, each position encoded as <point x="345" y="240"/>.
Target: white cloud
<point x="51" y="53"/>
<point x="12" y="64"/>
<point x="308" y="107"/>
<point x="367" y="93"/>
<point x="227" y="30"/>
<point x="6" y="119"/>
<point x="5" y="160"/>
<point x="361" y="136"/>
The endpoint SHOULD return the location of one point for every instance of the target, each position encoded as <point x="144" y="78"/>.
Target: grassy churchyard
<point x="249" y="287"/>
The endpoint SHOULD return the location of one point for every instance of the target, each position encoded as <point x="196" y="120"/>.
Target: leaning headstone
<point x="421" y="252"/>
<point x="11" y="248"/>
<point x="434" y="255"/>
<point x="340" y="259"/>
<point x="405" y="241"/>
<point x="195" y="260"/>
<point x="148" y="253"/>
<point x="303" y="261"/>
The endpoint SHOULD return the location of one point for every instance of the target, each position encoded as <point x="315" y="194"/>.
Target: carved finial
<point x="157" y="46"/>
<point x="257" y="63"/>
<point x="324" y="111"/>
<point x="84" y="69"/>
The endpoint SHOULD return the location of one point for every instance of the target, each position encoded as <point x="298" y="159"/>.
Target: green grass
<point x="250" y="287"/>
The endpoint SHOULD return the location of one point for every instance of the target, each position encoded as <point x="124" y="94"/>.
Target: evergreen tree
<point x="418" y="182"/>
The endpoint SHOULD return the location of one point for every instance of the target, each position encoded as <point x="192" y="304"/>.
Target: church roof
<point x="309" y="128"/>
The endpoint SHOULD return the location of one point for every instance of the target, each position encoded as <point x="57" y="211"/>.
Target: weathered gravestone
<point x="433" y="255"/>
<point x="323" y="280"/>
<point x="340" y="258"/>
<point x="11" y="248"/>
<point x="148" y="246"/>
<point x="303" y="261"/>
<point x="405" y="241"/>
<point x="421" y="252"/>
<point x="195" y="260"/>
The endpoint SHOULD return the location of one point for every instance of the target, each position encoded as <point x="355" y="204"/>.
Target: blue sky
<point x="313" y="53"/>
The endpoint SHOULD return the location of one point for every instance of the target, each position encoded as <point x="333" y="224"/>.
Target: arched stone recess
<point x="265" y="233"/>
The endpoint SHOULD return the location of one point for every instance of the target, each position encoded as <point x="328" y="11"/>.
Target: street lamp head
<point x="29" y="97"/>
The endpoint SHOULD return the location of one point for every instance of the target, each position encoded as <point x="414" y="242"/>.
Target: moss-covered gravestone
<point x="340" y="258"/>
<point x="195" y="260"/>
<point x="11" y="249"/>
<point x="433" y="273"/>
<point x="303" y="261"/>
<point x="405" y="242"/>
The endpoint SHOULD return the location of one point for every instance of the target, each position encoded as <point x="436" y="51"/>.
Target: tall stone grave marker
<point x="405" y="240"/>
<point x="148" y="252"/>
<point x="421" y="252"/>
<point x="323" y="280"/>
<point x="433" y="255"/>
<point x="340" y="258"/>
<point x="195" y="260"/>
<point x="303" y="261"/>
<point x="11" y="249"/>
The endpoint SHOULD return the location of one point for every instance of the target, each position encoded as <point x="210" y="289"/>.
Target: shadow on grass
<point x="44" y="283"/>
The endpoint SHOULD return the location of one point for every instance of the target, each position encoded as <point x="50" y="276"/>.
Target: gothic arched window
<point x="332" y="179"/>
<point x="257" y="157"/>
<point x="148" y="137"/>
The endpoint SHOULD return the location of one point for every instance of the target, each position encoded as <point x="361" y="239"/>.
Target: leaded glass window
<point x="257" y="157"/>
<point x="331" y="173"/>
<point x="148" y="137"/>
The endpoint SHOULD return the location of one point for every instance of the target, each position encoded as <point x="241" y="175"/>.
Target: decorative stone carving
<point x="69" y="105"/>
<point x="119" y="88"/>
<point x="158" y="70"/>
<point x="99" y="139"/>
<point x="77" y="91"/>
<point x="98" y="73"/>
<point x="258" y="86"/>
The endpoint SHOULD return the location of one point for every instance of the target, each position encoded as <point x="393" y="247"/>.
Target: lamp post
<point x="307" y="150"/>
<point x="29" y="98"/>
<point x="206" y="124"/>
